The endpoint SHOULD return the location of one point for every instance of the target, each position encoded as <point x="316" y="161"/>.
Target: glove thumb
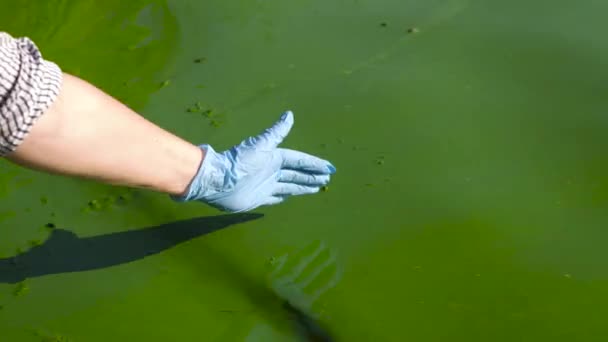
<point x="273" y="136"/>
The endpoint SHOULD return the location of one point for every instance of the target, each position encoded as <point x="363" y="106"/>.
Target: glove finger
<point x="288" y="189"/>
<point x="273" y="136"/>
<point x="301" y="178"/>
<point x="274" y="200"/>
<point x="303" y="162"/>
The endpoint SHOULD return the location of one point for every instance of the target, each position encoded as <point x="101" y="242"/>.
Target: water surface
<point x="470" y="203"/>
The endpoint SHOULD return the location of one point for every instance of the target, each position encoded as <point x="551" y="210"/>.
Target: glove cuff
<point x="209" y="178"/>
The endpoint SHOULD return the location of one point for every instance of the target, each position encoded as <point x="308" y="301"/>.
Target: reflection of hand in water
<point x="298" y="279"/>
<point x="301" y="278"/>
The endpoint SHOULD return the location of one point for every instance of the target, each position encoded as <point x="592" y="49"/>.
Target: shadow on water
<point x="65" y="252"/>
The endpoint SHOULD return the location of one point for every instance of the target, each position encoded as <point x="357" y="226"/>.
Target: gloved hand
<point x="256" y="172"/>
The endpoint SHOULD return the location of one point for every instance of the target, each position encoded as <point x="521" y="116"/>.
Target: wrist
<point x="209" y="178"/>
<point x="187" y="169"/>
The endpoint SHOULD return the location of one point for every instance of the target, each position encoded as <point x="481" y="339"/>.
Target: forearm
<point x="86" y="133"/>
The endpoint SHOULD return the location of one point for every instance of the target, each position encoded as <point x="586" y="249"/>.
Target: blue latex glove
<point x="256" y="172"/>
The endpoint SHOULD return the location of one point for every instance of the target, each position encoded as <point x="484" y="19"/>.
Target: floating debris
<point x="94" y="205"/>
<point x="44" y="200"/>
<point x="192" y="110"/>
<point x="46" y="337"/>
<point x="124" y="198"/>
<point x="200" y="60"/>
<point x="383" y="24"/>
<point x="21" y="289"/>
<point x="413" y="30"/>
<point x="324" y="188"/>
<point x="165" y="83"/>
<point x="215" y="123"/>
<point x="272" y="260"/>
<point x="207" y="112"/>
<point x="196" y="108"/>
<point x="35" y="243"/>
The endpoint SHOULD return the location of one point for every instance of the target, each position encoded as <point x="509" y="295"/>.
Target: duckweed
<point x="44" y="200"/>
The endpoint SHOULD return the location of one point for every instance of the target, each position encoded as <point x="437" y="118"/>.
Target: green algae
<point x="492" y="226"/>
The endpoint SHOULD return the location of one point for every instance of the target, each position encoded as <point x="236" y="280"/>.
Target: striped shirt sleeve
<point x="28" y="87"/>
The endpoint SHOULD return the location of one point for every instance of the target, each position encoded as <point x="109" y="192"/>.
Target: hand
<point x="256" y="172"/>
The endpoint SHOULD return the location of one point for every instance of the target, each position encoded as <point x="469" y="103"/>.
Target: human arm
<point x="67" y="126"/>
<point x="87" y="133"/>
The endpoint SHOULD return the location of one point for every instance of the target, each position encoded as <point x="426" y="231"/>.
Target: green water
<point x="470" y="203"/>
